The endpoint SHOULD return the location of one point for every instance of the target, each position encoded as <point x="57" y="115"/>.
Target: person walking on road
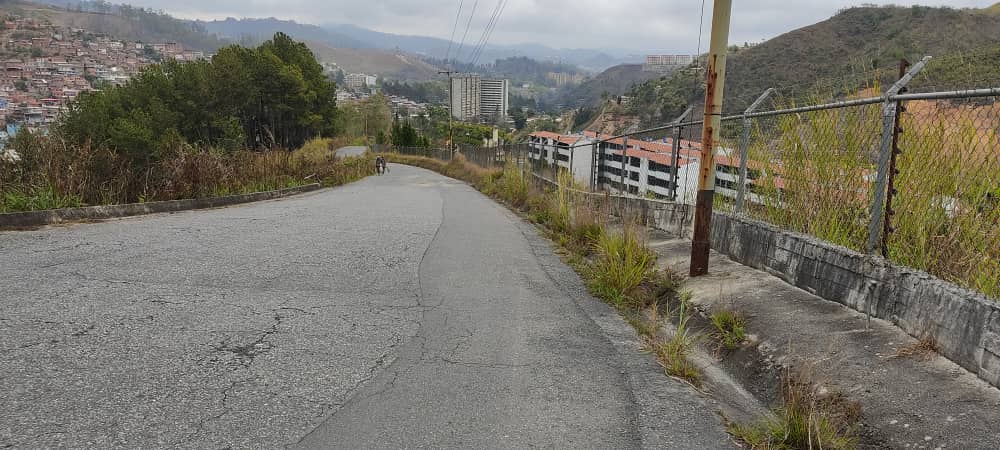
<point x="380" y="166"/>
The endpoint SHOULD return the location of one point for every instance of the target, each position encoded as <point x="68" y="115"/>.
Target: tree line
<point x="275" y="95"/>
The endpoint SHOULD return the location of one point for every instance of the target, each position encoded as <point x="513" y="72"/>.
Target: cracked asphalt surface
<point x="399" y="311"/>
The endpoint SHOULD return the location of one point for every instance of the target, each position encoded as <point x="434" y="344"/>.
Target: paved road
<point x="345" y="152"/>
<point x="406" y="310"/>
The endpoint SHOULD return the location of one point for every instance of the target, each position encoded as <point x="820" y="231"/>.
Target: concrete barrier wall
<point x="54" y="216"/>
<point x="964" y="324"/>
<point x="676" y="218"/>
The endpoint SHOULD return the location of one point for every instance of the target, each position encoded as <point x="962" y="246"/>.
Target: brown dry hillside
<point x="386" y="64"/>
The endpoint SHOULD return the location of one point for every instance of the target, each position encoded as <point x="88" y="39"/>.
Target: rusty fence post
<point x="890" y="126"/>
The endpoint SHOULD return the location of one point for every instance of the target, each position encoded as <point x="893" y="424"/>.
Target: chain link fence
<point x="914" y="176"/>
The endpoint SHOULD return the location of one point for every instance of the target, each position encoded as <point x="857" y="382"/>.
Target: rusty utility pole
<point x="451" y="104"/>
<point x="715" y="86"/>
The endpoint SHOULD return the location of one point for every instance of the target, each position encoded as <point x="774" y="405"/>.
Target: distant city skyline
<point x="637" y="26"/>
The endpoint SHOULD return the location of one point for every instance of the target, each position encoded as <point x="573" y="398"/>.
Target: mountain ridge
<point x="833" y="58"/>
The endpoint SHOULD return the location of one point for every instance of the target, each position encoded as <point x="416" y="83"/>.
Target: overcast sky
<point x="640" y="25"/>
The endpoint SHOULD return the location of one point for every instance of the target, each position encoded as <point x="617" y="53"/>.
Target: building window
<point x="660" y="182"/>
<point x="728" y="169"/>
<point x="725" y="184"/>
<point x="657" y="167"/>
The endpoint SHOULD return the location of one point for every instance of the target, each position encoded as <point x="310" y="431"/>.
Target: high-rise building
<point x="493" y="100"/>
<point x="666" y="63"/>
<point x="474" y="98"/>
<point x="465" y="92"/>
<point x="359" y="81"/>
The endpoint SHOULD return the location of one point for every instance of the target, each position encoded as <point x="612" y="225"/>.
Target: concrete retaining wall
<point x="672" y="217"/>
<point x="964" y="324"/>
<point x="53" y="216"/>
<point x="676" y="218"/>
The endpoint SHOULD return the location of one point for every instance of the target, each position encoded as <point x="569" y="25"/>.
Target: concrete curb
<point x="54" y="216"/>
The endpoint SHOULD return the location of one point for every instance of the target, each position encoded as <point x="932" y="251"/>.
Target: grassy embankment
<point x="51" y="174"/>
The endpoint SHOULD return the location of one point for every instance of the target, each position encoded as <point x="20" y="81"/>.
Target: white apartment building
<point x="666" y="63"/>
<point x="474" y="98"/>
<point x="493" y="100"/>
<point x="648" y="170"/>
<point x="465" y="97"/>
<point x="359" y="81"/>
<point x="573" y="152"/>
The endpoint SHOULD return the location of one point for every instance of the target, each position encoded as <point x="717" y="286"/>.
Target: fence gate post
<point x="595" y="168"/>
<point x="889" y="111"/>
<point x="676" y="151"/>
<point x="745" y="150"/>
<point x="623" y="188"/>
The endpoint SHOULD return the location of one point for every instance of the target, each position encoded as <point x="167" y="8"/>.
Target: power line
<point x="467" y="25"/>
<point x="482" y="36"/>
<point x="451" y="40"/>
<point x="701" y="26"/>
<point x="496" y="21"/>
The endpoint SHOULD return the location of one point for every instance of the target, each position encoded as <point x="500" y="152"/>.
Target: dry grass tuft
<point x="925" y="349"/>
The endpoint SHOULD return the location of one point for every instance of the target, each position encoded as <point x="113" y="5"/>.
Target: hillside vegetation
<point x="180" y="130"/>
<point x="837" y="57"/>
<point x="613" y="82"/>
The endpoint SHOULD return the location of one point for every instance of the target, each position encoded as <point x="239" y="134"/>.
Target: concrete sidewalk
<point x="908" y="402"/>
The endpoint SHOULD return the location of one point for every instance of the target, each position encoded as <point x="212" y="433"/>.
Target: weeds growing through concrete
<point x="674" y="351"/>
<point x="730" y="326"/>
<point x="808" y="418"/>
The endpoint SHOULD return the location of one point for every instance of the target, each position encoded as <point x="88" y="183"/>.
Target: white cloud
<point x="640" y="25"/>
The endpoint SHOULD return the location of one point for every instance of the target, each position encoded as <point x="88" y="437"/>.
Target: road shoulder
<point x="671" y="413"/>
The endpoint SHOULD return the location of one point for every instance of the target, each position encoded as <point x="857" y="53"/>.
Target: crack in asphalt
<point x="200" y="427"/>
<point x="404" y="363"/>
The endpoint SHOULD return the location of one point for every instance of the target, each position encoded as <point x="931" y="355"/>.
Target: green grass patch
<point x="621" y="263"/>
<point x="807" y="419"/>
<point x="730" y="328"/>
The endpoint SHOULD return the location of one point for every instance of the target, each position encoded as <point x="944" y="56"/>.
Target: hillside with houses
<point x="45" y="66"/>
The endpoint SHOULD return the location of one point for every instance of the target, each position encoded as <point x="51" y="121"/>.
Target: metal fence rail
<point x="913" y="176"/>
